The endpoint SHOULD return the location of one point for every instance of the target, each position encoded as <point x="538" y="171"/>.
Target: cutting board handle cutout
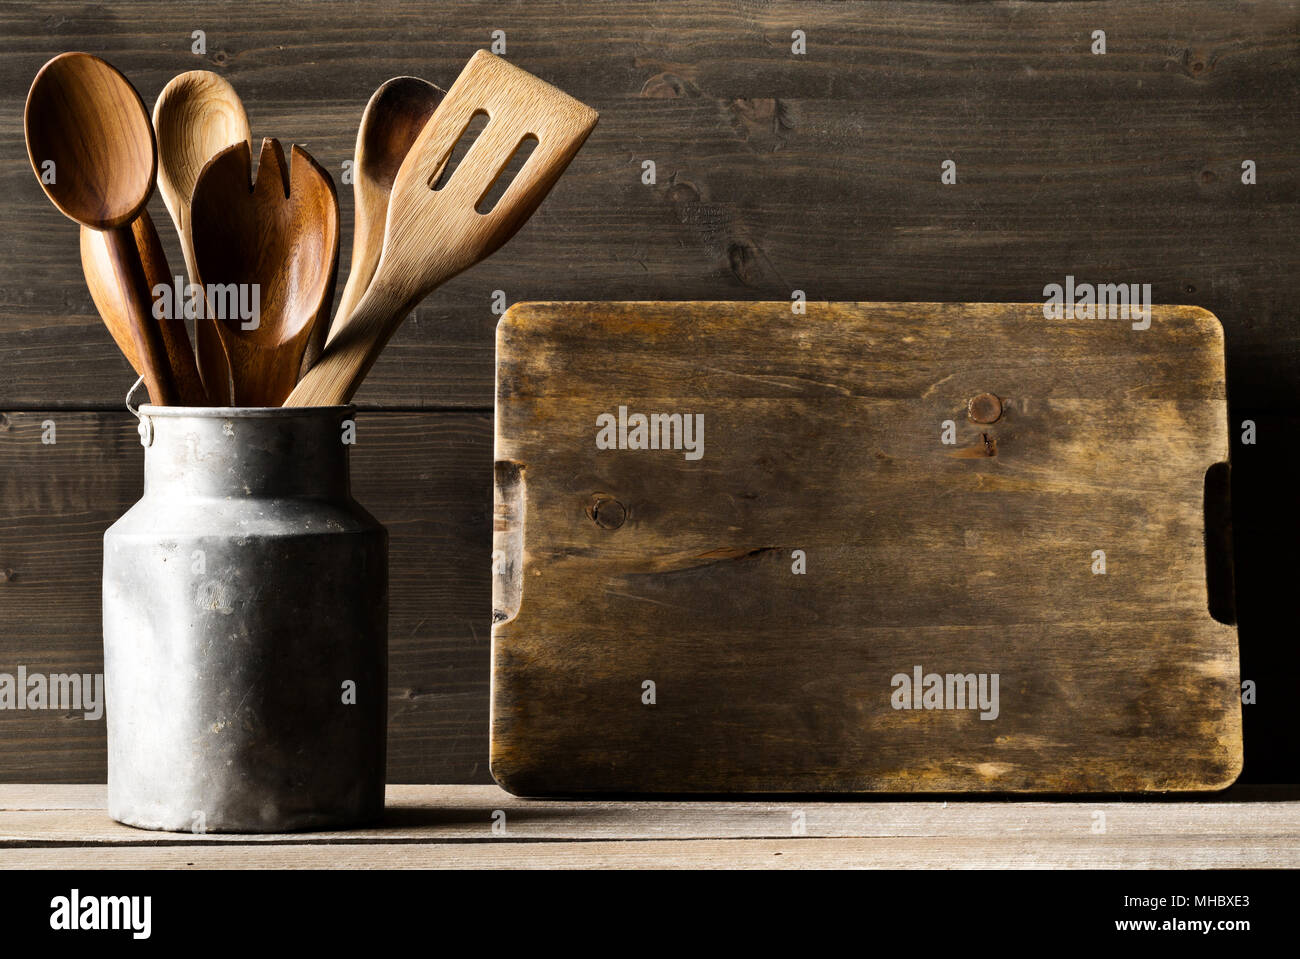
<point x="507" y="540"/>
<point x="1220" y="582"/>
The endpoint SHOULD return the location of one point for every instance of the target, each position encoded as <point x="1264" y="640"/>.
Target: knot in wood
<point x="607" y="512"/>
<point x="985" y="408"/>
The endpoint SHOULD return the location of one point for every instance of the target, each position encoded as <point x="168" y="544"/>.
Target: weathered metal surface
<point x="245" y="629"/>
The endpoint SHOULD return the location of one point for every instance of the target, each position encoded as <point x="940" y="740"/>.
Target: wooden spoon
<point x="197" y="115"/>
<point x="112" y="305"/>
<point x="277" y="238"/>
<point x="433" y="234"/>
<point x="393" y="118"/>
<point x="86" y="120"/>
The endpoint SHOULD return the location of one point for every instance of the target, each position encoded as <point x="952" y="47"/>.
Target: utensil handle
<point x="354" y="346"/>
<point x="129" y="273"/>
<point x="209" y="351"/>
<point x="360" y="274"/>
<point x="175" y="340"/>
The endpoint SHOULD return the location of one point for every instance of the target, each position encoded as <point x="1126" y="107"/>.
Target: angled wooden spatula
<point x="433" y="234"/>
<point x="274" y="243"/>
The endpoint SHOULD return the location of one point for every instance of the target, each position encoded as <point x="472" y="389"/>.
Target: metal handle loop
<point x="146" y="425"/>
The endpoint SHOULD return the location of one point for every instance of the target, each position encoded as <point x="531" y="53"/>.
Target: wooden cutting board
<point x="884" y="492"/>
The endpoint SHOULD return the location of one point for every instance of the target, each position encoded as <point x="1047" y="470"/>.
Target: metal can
<point x="245" y="628"/>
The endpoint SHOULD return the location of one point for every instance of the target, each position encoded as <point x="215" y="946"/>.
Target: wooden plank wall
<point x="774" y="172"/>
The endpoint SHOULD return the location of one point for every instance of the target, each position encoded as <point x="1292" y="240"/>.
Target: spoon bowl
<point x="197" y="115"/>
<point x="86" y="119"/>
<point x="398" y="110"/>
<point x="92" y="148"/>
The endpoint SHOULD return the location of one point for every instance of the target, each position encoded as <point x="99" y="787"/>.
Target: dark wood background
<point x="775" y="172"/>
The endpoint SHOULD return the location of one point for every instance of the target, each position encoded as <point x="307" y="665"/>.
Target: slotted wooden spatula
<point x="433" y="234"/>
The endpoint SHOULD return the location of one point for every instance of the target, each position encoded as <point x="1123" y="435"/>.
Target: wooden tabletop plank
<point x="912" y="853"/>
<point x="41" y="816"/>
<point x="19" y="796"/>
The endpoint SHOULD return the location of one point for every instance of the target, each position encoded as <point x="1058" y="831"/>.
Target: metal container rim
<point x="242" y="412"/>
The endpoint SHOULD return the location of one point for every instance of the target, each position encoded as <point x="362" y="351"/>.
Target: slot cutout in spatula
<point x="493" y="194"/>
<point x="472" y="130"/>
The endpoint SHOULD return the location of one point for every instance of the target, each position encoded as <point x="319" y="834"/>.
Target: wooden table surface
<point x="65" y="827"/>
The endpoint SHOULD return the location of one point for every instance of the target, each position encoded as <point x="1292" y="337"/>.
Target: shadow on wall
<point x="1266" y="547"/>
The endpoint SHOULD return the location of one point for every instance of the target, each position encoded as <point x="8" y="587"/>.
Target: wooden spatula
<point x="433" y="234"/>
<point x="279" y="235"/>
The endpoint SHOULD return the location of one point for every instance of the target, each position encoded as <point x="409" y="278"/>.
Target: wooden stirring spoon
<point x="114" y="309"/>
<point x="273" y="244"/>
<point x="432" y="234"/>
<point x="197" y="115"/>
<point x="397" y="112"/>
<point x="91" y="146"/>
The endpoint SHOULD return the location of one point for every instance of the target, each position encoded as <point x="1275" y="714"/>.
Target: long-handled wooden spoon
<point x="92" y="148"/>
<point x="197" y="115"/>
<point x="276" y="240"/>
<point x="397" y="112"/>
<point x="113" y="308"/>
<point x="433" y="234"/>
